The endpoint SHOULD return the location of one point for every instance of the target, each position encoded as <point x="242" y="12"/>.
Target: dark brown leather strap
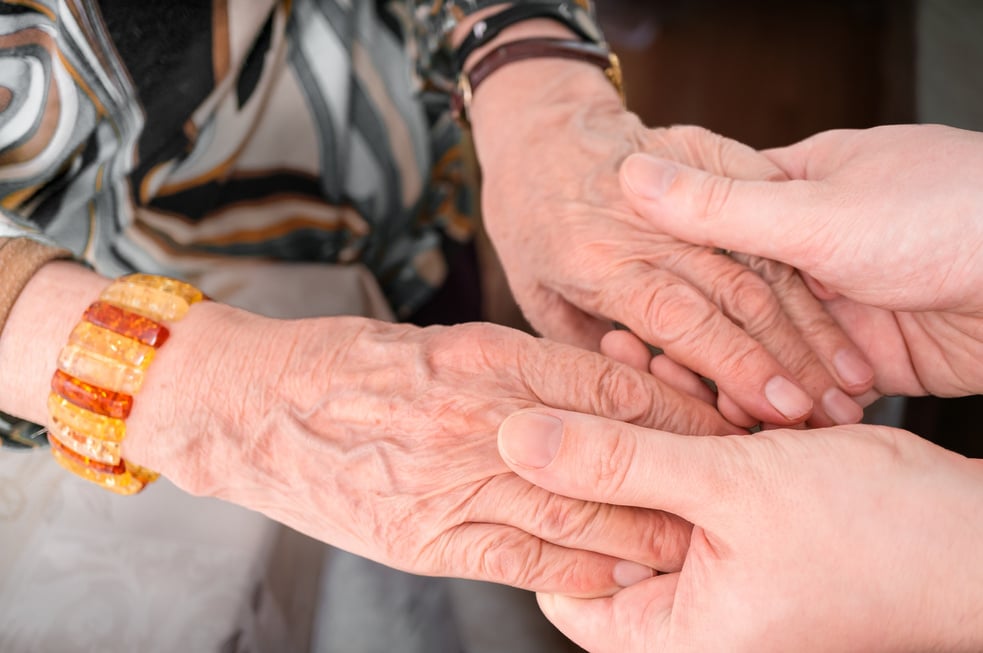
<point x="570" y="14"/>
<point x="538" y="48"/>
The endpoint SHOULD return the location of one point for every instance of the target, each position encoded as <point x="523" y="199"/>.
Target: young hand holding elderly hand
<point x="887" y="221"/>
<point x="848" y="538"/>
<point x="852" y="538"/>
<point x="578" y="256"/>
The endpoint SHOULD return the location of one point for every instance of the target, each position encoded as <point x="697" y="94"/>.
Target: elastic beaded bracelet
<point x="100" y="369"/>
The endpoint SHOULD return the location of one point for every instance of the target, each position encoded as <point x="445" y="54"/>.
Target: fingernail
<point x="787" y="398"/>
<point x="530" y="439"/>
<point x="852" y="369"/>
<point x="648" y="177"/>
<point x="841" y="408"/>
<point x="627" y="573"/>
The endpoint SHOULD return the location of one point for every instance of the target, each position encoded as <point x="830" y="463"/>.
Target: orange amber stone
<point x="127" y="323"/>
<point x="92" y="397"/>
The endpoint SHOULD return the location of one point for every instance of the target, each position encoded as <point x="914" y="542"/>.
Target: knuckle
<point x="507" y="556"/>
<point x="622" y="394"/>
<point x="667" y="537"/>
<point x="564" y="520"/>
<point x="776" y="273"/>
<point x="674" y="310"/>
<point x="750" y="303"/>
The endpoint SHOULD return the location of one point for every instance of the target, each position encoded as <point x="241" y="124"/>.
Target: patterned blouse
<point x="167" y="136"/>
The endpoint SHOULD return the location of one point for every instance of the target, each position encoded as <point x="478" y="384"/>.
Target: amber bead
<point x="158" y="298"/>
<point x="103" y="451"/>
<point x="127" y="323"/>
<point x="100" y="370"/>
<point x="111" y="345"/>
<point x="85" y="421"/>
<point x="94" y="465"/>
<point x="91" y="397"/>
<point x="130" y="481"/>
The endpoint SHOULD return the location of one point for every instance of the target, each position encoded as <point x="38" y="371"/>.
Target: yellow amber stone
<point x="126" y="483"/>
<point x="158" y="298"/>
<point x="85" y="421"/>
<point x="103" y="451"/>
<point x="185" y="291"/>
<point x="112" y="345"/>
<point x="103" y="370"/>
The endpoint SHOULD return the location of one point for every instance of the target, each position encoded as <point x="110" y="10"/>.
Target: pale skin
<point x="852" y="538"/>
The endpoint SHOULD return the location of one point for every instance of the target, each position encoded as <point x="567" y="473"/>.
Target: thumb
<point x="773" y="219"/>
<point x="596" y="459"/>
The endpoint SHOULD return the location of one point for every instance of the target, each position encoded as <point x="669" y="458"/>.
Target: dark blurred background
<point x="771" y="72"/>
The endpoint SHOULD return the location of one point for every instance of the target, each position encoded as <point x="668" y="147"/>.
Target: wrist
<point x="194" y="402"/>
<point x="542" y="98"/>
<point x="37" y="327"/>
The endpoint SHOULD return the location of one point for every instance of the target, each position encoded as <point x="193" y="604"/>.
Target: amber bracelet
<point x="100" y="369"/>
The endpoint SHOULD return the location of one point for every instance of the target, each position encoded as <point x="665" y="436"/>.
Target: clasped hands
<point x="845" y="538"/>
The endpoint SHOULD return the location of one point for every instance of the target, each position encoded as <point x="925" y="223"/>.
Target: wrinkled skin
<point x="380" y="439"/>
<point x="851" y="538"/>
<point x="578" y="256"/>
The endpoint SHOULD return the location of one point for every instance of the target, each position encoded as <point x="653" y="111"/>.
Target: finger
<point x="815" y="349"/>
<point x="594" y="459"/>
<point x="626" y="348"/>
<point x="655" y="539"/>
<point x="670" y="313"/>
<point x="626" y="621"/>
<point x="775" y="309"/>
<point x="879" y="335"/>
<point x="797" y="160"/>
<point x="571" y="379"/>
<point x="842" y="358"/>
<point x="557" y="319"/>
<point x="781" y="220"/>
<point x="511" y="556"/>
<point x="672" y="373"/>
<point x="817" y="288"/>
<point x="734" y="413"/>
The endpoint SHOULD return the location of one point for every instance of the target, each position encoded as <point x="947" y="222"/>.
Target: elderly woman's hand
<point x="380" y="439"/>
<point x="578" y="256"/>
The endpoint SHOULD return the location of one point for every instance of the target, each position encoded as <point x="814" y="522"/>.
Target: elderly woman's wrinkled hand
<point x="380" y="439"/>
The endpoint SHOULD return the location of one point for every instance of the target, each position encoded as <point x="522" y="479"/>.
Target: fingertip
<point x="792" y="402"/>
<point x="647" y="177"/>
<point x="840" y="408"/>
<point x="627" y="573"/>
<point x="854" y="371"/>
<point x="530" y="439"/>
